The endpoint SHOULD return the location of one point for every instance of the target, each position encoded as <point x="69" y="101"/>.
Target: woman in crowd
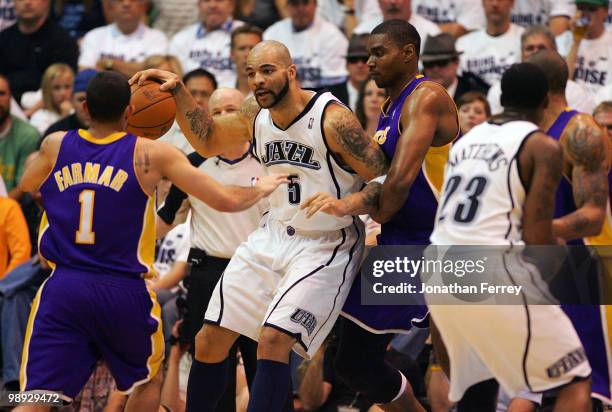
<point x="369" y="102"/>
<point x="57" y="83"/>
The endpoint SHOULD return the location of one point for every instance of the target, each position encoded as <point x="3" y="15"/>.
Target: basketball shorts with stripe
<point x="295" y="282"/>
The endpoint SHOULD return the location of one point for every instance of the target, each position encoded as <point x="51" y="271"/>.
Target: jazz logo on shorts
<point x="304" y="318"/>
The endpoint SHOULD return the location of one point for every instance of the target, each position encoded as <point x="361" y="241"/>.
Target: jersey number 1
<point x="85" y="234"/>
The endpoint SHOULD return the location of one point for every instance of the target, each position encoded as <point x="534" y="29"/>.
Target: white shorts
<point x="295" y="282"/>
<point x="532" y="347"/>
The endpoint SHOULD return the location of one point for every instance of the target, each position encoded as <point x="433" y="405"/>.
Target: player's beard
<point x="277" y="97"/>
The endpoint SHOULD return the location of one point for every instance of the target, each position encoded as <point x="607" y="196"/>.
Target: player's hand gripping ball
<point x="154" y="110"/>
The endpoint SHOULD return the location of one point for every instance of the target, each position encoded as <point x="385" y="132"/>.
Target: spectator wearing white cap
<point x="490" y="51"/>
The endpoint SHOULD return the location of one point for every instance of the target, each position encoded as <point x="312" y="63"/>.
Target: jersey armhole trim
<point x="329" y="151"/>
<point x="517" y="156"/>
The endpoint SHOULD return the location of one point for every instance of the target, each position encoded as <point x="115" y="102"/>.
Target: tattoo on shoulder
<point x="355" y="142"/>
<point x="143" y="161"/>
<point x="586" y="147"/>
<point x="200" y="123"/>
<point x="250" y="108"/>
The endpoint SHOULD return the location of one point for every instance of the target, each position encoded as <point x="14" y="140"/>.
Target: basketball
<point x="154" y="110"/>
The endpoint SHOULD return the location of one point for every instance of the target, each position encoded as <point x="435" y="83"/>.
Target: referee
<point x="216" y="235"/>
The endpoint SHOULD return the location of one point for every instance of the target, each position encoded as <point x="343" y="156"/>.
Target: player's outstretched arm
<point x="175" y="166"/>
<point x="587" y="147"/>
<point x="42" y="164"/>
<point x="353" y="148"/>
<point x="207" y="136"/>
<point x="540" y="162"/>
<point x="421" y="116"/>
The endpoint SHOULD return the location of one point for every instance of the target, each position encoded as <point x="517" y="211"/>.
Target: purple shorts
<point x="79" y="317"/>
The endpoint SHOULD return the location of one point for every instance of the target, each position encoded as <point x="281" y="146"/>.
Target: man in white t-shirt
<point x="174" y="15"/>
<point x="490" y="51"/>
<point x="123" y="45"/>
<point x="206" y="44"/>
<point x="534" y="39"/>
<point x="554" y="13"/>
<point x="590" y="56"/>
<point x="317" y="46"/>
<point x="400" y="9"/>
<point x="342" y="14"/>
<point x="456" y="17"/>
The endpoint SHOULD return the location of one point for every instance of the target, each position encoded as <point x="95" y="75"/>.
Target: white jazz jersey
<point x="293" y="274"/>
<point x="482" y="204"/>
<point x="301" y="151"/>
<point x="482" y="197"/>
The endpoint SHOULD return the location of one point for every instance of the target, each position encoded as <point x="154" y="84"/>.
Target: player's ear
<point x="86" y="108"/>
<point x="292" y="71"/>
<point x="128" y="111"/>
<point x="410" y="52"/>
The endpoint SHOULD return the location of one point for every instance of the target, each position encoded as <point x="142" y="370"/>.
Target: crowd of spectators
<point x="50" y="49"/>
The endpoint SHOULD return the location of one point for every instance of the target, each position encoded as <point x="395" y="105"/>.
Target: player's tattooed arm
<point x="586" y="148"/>
<point x="354" y="149"/>
<point x="351" y="145"/>
<point x="540" y="162"/>
<point x="208" y="136"/>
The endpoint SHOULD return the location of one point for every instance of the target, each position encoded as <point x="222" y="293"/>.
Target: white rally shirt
<point x="197" y="48"/>
<point x="107" y="42"/>
<point x="468" y="13"/>
<point x="318" y="51"/>
<point x="529" y="12"/>
<point x="488" y="56"/>
<point x="423" y="26"/>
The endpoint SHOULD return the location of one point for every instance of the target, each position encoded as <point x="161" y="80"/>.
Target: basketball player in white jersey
<point x="503" y="194"/>
<point x="286" y="285"/>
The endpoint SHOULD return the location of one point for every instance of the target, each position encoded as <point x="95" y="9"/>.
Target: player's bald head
<point x="554" y="68"/>
<point x="270" y="51"/>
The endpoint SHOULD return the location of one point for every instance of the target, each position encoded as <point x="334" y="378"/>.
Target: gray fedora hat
<point x="440" y="47"/>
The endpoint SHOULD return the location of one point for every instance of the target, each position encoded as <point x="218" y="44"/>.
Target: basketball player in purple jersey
<point x="98" y="234"/>
<point x="417" y="124"/>
<point x="582" y="214"/>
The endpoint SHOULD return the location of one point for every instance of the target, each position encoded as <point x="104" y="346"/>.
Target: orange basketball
<point x="154" y="110"/>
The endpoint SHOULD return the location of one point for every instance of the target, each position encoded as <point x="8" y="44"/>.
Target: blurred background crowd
<point x="50" y="49"/>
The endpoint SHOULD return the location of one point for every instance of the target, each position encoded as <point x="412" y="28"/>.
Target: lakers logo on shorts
<point x="381" y="135"/>
<point x="304" y="318"/>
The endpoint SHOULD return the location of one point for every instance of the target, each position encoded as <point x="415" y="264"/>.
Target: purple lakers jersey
<point x="414" y="222"/>
<point x="97" y="217"/>
<point x="564" y="197"/>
